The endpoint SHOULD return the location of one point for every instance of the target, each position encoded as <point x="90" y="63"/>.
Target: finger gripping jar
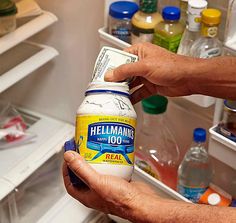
<point x="105" y="129"/>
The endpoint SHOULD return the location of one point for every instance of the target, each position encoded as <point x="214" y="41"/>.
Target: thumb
<point x="126" y="71"/>
<point x="81" y="168"/>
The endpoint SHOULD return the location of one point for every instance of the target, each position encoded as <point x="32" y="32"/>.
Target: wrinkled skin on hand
<point x="158" y="71"/>
<point x="109" y="194"/>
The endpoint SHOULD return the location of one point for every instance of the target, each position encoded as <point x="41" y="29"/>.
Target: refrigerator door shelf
<point x="109" y="40"/>
<point x="161" y="189"/>
<point x="222" y="148"/>
<point x="26" y="30"/>
<point x="18" y="163"/>
<point x="34" y="56"/>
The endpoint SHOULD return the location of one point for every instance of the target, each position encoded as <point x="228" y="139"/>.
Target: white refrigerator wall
<point x="58" y="88"/>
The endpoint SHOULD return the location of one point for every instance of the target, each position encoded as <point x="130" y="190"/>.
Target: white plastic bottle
<point x="105" y="129"/>
<point x="192" y="31"/>
<point x="195" y="171"/>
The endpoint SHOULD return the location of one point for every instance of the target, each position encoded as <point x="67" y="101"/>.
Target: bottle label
<point x="122" y="33"/>
<point x="140" y="35"/>
<point x="194" y="22"/>
<point x="191" y="193"/>
<point x="214" y="52"/>
<point x="209" y="31"/>
<point x="106" y="139"/>
<point x="170" y="43"/>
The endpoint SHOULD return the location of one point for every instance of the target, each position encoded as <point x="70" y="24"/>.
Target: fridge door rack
<point x="163" y="190"/>
<point x="26" y="30"/>
<point x="222" y="148"/>
<point x="109" y="40"/>
<point x="37" y="56"/>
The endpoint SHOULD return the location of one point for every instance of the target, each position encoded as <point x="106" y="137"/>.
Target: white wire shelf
<point x="24" y="62"/>
<point x="26" y="30"/>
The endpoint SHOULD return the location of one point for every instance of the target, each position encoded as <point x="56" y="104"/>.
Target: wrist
<point x="196" y="70"/>
<point x="142" y="209"/>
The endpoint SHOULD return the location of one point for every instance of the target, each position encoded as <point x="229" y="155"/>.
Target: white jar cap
<point x="214" y="199"/>
<point x="196" y="5"/>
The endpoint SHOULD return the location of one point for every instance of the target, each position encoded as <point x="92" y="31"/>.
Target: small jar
<point x="105" y="129"/>
<point x="228" y="125"/>
<point x="8" y="12"/>
<point x="168" y="33"/>
<point x="119" y="23"/>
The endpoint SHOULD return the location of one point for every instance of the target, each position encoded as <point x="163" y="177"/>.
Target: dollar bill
<point x="108" y="59"/>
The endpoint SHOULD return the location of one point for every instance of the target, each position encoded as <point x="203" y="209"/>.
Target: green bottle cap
<point x="7" y="8"/>
<point x="155" y="104"/>
<point x="148" y="6"/>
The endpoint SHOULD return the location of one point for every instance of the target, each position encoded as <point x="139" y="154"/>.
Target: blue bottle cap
<point x="199" y="135"/>
<point x="123" y="9"/>
<point x="171" y="13"/>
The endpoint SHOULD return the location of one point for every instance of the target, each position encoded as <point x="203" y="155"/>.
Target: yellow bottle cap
<point x="211" y="16"/>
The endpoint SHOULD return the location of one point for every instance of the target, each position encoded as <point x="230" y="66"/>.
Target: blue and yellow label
<point x="105" y="139"/>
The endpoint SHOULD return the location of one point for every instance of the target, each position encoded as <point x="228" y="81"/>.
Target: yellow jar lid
<point x="211" y="16"/>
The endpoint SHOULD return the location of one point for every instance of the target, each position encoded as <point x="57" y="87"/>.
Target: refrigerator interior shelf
<point x="27" y="58"/>
<point x="222" y="148"/>
<point x="65" y="210"/>
<point x="18" y="163"/>
<point x="109" y="40"/>
<point x="26" y="30"/>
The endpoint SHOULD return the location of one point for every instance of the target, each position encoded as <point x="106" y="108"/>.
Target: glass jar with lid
<point x="8" y="12"/>
<point x="120" y="14"/>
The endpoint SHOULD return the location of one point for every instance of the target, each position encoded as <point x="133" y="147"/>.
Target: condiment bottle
<point x="144" y="22"/>
<point x="208" y="45"/>
<point x="168" y="33"/>
<point x="105" y="129"/>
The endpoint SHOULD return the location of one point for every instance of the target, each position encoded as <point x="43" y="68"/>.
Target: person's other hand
<point x="158" y="71"/>
<point x="109" y="194"/>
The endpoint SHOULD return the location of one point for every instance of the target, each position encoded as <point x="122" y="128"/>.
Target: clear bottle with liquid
<point x="157" y="152"/>
<point x="192" y="31"/>
<point x="168" y="33"/>
<point x="144" y="21"/>
<point x="208" y="45"/>
<point x="195" y="171"/>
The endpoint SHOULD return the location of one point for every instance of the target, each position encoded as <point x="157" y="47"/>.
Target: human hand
<point x="158" y="71"/>
<point x="109" y="194"/>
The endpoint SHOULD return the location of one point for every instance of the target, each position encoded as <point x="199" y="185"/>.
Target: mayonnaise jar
<point x="105" y="129"/>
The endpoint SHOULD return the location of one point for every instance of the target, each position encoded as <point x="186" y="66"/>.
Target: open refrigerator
<point x="47" y="85"/>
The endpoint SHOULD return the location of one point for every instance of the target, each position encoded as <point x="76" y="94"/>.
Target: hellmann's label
<point x="105" y="139"/>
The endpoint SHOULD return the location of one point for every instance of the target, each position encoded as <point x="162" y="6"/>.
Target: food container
<point x="8" y="12"/>
<point x="119" y="23"/>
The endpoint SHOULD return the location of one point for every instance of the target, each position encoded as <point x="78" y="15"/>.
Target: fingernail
<point x="69" y="156"/>
<point x="108" y="76"/>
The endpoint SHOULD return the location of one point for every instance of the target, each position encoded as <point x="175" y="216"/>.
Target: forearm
<point x="214" y="77"/>
<point x="156" y="210"/>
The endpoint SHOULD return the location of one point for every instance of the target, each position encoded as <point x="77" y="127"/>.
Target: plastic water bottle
<point x="195" y="171"/>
